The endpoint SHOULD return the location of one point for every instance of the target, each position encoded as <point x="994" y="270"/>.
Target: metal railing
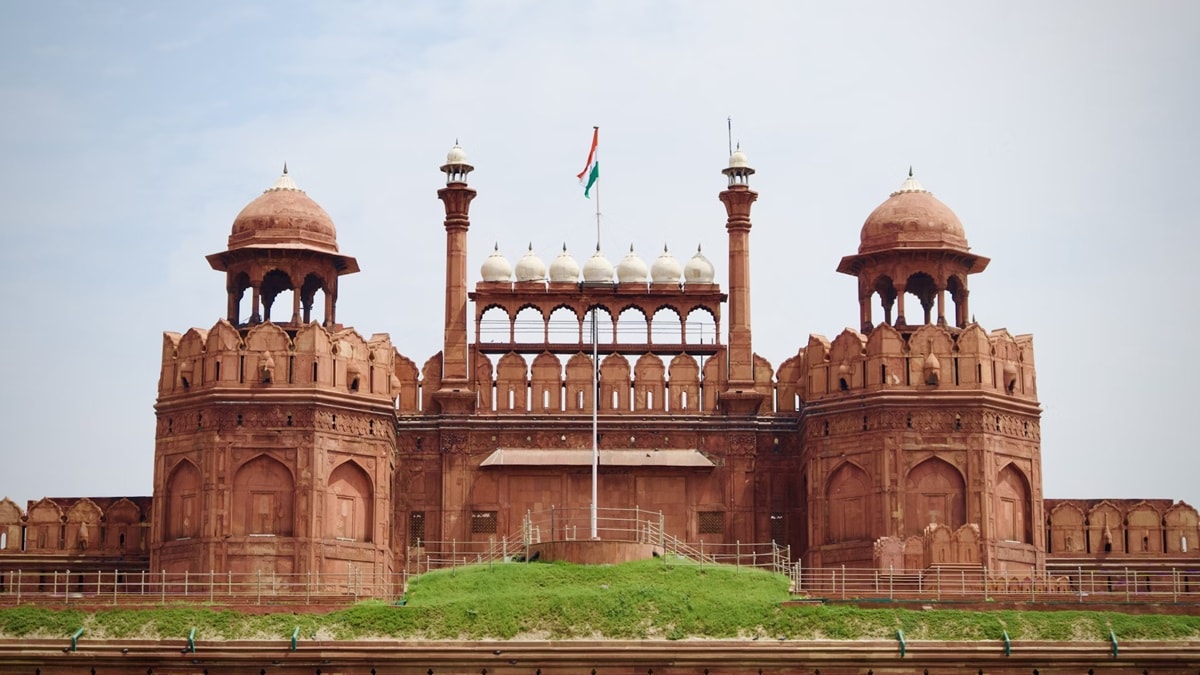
<point x="226" y="588"/>
<point x="974" y="582"/>
<point x="612" y="524"/>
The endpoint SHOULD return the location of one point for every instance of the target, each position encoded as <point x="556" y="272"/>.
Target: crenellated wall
<point x="927" y="428"/>
<point x="273" y="451"/>
<point x="71" y="527"/>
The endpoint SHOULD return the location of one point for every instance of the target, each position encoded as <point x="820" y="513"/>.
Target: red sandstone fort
<point x="288" y="443"/>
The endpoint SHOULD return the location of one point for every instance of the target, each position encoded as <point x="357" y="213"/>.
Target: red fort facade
<point x="289" y="443"/>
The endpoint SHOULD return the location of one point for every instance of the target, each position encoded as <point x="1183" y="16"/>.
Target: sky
<point x="1063" y="134"/>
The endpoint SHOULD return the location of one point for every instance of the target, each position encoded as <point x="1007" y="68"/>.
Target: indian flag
<point x="591" y="172"/>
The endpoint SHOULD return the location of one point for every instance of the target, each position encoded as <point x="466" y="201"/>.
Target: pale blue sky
<point x="1063" y="134"/>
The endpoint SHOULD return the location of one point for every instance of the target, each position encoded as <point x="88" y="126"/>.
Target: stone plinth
<point x="589" y="552"/>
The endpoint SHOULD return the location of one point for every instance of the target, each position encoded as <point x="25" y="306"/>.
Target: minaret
<point x="739" y="396"/>
<point x="456" y="396"/>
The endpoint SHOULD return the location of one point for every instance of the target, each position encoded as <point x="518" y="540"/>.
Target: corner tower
<point x="921" y="433"/>
<point x="274" y="439"/>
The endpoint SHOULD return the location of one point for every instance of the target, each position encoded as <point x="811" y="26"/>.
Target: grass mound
<point x="558" y="601"/>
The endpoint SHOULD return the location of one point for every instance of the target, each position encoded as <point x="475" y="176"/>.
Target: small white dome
<point x="530" y="267"/>
<point x="597" y="269"/>
<point x="666" y="270"/>
<point x="564" y="269"/>
<point x="632" y="269"/>
<point x="738" y="160"/>
<point x="456" y="155"/>
<point x="496" y="267"/>
<point x="699" y="270"/>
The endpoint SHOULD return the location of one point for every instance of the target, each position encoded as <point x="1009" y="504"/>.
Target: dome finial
<point x="910" y="184"/>
<point x="564" y="247"/>
<point x="285" y="167"/>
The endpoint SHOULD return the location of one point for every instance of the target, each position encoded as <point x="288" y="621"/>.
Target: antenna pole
<point x="729" y="129"/>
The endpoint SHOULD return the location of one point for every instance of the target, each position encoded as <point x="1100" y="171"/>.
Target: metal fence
<point x="612" y="524"/>
<point x="227" y="588"/>
<point x="965" y="582"/>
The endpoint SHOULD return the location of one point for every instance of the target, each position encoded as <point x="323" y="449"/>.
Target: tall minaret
<point x="739" y="396"/>
<point x="456" y="396"/>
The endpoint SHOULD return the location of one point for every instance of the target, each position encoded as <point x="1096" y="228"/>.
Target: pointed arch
<point x="183" y="502"/>
<point x="649" y="384"/>
<point x="1067" y="533"/>
<point x="349" y="513"/>
<point x="262" y="498"/>
<point x="849" y="498"/>
<point x="935" y="494"/>
<point x="1014" y="509"/>
<point x="1143" y="523"/>
<point x="122" y="526"/>
<point x="83" y="525"/>
<point x="1181" y="526"/>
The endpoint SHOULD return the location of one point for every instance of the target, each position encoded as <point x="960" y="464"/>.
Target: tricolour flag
<point x="591" y="172"/>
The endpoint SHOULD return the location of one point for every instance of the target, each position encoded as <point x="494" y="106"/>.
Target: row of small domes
<point x="632" y="269"/>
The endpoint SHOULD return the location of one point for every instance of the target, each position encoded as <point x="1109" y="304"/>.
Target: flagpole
<point x="595" y="378"/>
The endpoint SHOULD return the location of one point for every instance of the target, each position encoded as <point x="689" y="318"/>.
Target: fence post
<point x="114" y="588"/>
<point x="144" y="582"/>
<point x="162" y="588"/>
<point x="185" y="582"/>
<point x="891" y="580"/>
<point x="98" y="580"/>
<point x="1174" y="585"/>
<point x="307" y="587"/>
<point x="212" y="583"/>
<point x="258" y="574"/>
<point x="1079" y="575"/>
<point x="229" y="583"/>
<point x="843" y="581"/>
<point x="18" y="586"/>
<point x="876" y="579"/>
<point x="701" y="553"/>
<point x="662" y="533"/>
<point x="1126" y="584"/>
<point x="737" y="565"/>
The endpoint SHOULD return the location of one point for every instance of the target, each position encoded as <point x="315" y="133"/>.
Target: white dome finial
<point x="496" y="267"/>
<point x="699" y="270"/>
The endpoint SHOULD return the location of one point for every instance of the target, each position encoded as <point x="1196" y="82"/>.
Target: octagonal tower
<point x="921" y="437"/>
<point x="273" y="441"/>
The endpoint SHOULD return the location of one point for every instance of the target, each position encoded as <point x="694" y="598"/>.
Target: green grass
<point x="558" y="601"/>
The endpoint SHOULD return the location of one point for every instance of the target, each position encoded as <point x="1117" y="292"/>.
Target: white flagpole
<point x="596" y="375"/>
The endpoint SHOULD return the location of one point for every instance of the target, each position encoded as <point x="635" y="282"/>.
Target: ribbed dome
<point x="283" y="217"/>
<point x="530" y="267"/>
<point x="666" y="269"/>
<point x="496" y="267"/>
<point x="632" y="269"/>
<point x="698" y="270"/>
<point x="597" y="269"/>
<point x="564" y="269"/>
<point x="912" y="218"/>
